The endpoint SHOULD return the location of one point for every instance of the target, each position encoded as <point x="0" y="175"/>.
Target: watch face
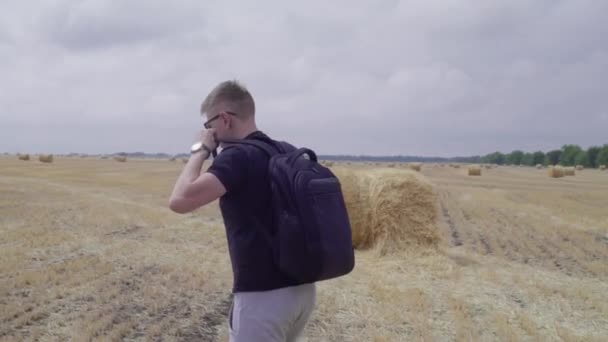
<point x="197" y="146"/>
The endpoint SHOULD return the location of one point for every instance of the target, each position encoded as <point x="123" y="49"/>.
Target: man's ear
<point x="228" y="121"/>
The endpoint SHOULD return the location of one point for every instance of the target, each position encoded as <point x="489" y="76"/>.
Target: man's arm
<point x="193" y="189"/>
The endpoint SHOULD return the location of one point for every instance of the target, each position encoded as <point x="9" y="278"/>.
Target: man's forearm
<point x="191" y="171"/>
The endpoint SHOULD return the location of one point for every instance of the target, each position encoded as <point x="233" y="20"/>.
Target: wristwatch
<point x="199" y="146"/>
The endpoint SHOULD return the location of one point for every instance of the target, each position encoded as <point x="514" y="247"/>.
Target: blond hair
<point x="231" y="96"/>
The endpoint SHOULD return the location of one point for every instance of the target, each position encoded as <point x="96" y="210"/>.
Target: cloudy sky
<point x="384" y="77"/>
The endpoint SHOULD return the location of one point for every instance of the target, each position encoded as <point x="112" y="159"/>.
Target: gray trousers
<point x="271" y="316"/>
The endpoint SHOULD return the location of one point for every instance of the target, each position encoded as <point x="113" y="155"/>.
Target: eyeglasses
<point x="206" y="124"/>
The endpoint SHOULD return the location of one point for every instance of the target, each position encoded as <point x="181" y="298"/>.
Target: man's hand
<point x="209" y="138"/>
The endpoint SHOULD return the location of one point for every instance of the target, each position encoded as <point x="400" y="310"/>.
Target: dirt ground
<point x="90" y="252"/>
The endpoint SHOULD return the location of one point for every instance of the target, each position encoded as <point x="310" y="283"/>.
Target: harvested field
<point x="89" y="251"/>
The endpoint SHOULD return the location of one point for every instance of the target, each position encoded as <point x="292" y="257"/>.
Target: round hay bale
<point x="580" y="167"/>
<point x="415" y="166"/>
<point x="23" y="156"/>
<point x="539" y="166"/>
<point x="569" y="171"/>
<point x="46" y="158"/>
<point x="121" y="159"/>
<point x="389" y="209"/>
<point x="172" y="159"/>
<point x="602" y="167"/>
<point x="184" y="160"/>
<point x="474" y="170"/>
<point x="556" y="171"/>
<point x="488" y="166"/>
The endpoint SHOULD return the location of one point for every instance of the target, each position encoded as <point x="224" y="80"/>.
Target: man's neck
<point x="243" y="133"/>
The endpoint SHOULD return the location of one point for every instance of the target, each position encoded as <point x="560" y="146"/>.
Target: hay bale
<point x="23" y="156"/>
<point x="539" y="166"/>
<point x="487" y="167"/>
<point x="569" y="171"/>
<point x="46" y="158"/>
<point x="391" y="210"/>
<point x="580" y="167"/>
<point x="121" y="159"/>
<point x="474" y="170"/>
<point x="184" y="160"/>
<point x="415" y="166"/>
<point x="556" y="171"/>
<point x="172" y="159"/>
<point x="328" y="163"/>
<point x="602" y="167"/>
<point x="391" y="165"/>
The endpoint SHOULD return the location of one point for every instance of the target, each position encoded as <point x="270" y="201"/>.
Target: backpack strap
<point x="268" y="148"/>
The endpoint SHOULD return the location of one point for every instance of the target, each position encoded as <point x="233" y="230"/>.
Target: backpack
<point x="312" y="239"/>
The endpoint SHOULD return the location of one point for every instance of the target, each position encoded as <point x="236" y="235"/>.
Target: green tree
<point x="497" y="158"/>
<point x="568" y="155"/>
<point x="602" y="157"/>
<point x="539" y="158"/>
<point x="592" y="153"/>
<point x="553" y="157"/>
<point x="514" y="157"/>
<point x="582" y="159"/>
<point x="528" y="159"/>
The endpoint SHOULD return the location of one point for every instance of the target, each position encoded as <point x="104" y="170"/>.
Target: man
<point x="267" y="306"/>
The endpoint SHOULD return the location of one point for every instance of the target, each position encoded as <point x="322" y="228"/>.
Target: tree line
<point x="568" y="155"/>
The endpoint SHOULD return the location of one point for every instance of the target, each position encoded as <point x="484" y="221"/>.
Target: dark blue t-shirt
<point x="247" y="212"/>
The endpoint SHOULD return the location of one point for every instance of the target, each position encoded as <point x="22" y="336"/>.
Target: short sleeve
<point x="230" y="167"/>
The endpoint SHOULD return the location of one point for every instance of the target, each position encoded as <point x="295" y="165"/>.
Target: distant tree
<point x="473" y="159"/>
<point x="494" y="158"/>
<point x="514" y="157"/>
<point x="602" y="157"/>
<point x="569" y="153"/>
<point x="539" y="158"/>
<point x="592" y="153"/>
<point x="582" y="159"/>
<point x="553" y="157"/>
<point x="528" y="159"/>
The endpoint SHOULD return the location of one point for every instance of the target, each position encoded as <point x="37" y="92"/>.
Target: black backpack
<point x="313" y="238"/>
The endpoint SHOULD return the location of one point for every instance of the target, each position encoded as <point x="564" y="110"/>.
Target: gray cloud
<point x="388" y="77"/>
<point x="104" y="24"/>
